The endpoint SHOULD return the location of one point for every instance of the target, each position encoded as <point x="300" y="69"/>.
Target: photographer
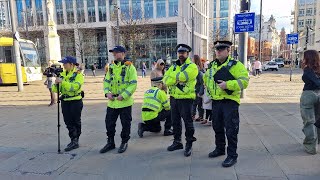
<point x="70" y="82"/>
<point x="49" y="72"/>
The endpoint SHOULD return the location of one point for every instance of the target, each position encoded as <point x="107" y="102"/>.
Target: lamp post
<point x="192" y="28"/>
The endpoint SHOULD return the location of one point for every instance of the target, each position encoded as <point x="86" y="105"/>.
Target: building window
<point x="124" y="7"/>
<point x="69" y="10"/>
<point x="136" y="9"/>
<point x="224" y="30"/>
<point x="315" y="11"/>
<point x="309" y="12"/>
<point x="301" y="23"/>
<point x="173" y="8"/>
<point x="102" y="10"/>
<point x="161" y="8"/>
<point x="309" y="22"/>
<point x="301" y="12"/>
<point x="19" y="12"/>
<point x="91" y="11"/>
<point x="80" y="11"/>
<point x="112" y="4"/>
<point x="148" y="8"/>
<point x="28" y="16"/>
<point x="214" y="8"/>
<point x="59" y="11"/>
<point x="39" y="12"/>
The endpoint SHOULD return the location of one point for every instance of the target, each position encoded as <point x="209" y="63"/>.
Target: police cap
<point x="183" y="48"/>
<point x="222" y="44"/>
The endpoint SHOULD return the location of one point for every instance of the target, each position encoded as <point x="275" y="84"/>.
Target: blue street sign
<point x="244" y="22"/>
<point x="293" y="38"/>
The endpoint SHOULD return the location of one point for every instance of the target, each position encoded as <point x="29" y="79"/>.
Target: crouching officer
<point x="119" y="85"/>
<point x="70" y="84"/>
<point x="225" y="80"/>
<point x="155" y="108"/>
<point x="181" y="80"/>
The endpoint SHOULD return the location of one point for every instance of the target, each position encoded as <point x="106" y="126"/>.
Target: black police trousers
<point x="154" y="125"/>
<point x="71" y="111"/>
<point x="182" y="108"/>
<point x="225" y="122"/>
<point x="125" y="117"/>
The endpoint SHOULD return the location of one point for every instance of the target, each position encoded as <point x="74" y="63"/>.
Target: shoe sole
<point x="67" y="150"/>
<point x="175" y="149"/>
<point x="216" y="156"/>
<point x="107" y="151"/>
<point x="226" y="166"/>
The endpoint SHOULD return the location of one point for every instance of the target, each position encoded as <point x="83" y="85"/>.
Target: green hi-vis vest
<point x="181" y="80"/>
<point x="154" y="101"/>
<point x="70" y="87"/>
<point x="121" y="79"/>
<point x="239" y="72"/>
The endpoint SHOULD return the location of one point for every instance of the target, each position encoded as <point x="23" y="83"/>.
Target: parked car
<point x="270" y="66"/>
<point x="279" y="61"/>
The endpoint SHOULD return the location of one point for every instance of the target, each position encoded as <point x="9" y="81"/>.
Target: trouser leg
<point x="126" y="118"/>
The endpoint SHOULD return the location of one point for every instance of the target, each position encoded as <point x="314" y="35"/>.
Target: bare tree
<point x="216" y="34"/>
<point x="136" y="32"/>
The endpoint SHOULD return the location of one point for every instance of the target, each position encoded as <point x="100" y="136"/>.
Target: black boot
<point x="168" y="132"/>
<point x="109" y="146"/>
<point x="188" y="150"/>
<point x="216" y="153"/>
<point x="230" y="161"/>
<point x="175" y="146"/>
<point x="140" y="130"/>
<point x="123" y="147"/>
<point x="74" y="144"/>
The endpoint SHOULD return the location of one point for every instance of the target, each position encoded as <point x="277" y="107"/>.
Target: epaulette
<point x="128" y="63"/>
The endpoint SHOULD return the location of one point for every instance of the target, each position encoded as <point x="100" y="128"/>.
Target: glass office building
<point x="92" y="23"/>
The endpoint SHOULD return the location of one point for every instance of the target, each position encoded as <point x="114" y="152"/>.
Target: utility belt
<point x="62" y="97"/>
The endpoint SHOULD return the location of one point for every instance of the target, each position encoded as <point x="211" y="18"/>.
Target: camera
<point x="53" y="70"/>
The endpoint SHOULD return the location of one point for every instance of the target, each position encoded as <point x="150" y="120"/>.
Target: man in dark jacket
<point x="198" y="101"/>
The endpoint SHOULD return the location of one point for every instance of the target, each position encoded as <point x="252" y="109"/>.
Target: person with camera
<point x="50" y="81"/>
<point x="69" y="82"/>
<point x="225" y="79"/>
<point x="119" y="85"/>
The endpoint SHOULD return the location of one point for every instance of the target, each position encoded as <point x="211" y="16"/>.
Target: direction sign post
<point x="292" y="39"/>
<point x="244" y="22"/>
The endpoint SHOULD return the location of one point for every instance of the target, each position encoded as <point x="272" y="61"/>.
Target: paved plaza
<point x="269" y="140"/>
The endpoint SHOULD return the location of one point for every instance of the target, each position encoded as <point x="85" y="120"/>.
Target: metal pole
<point x="260" y="31"/>
<point x="118" y="27"/>
<point x="307" y="38"/>
<point x="27" y="18"/>
<point x="291" y="62"/>
<point x="192" y="38"/>
<point x="16" y="47"/>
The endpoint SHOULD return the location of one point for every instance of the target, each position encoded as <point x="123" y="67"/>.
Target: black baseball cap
<point x="69" y="59"/>
<point x="118" y="49"/>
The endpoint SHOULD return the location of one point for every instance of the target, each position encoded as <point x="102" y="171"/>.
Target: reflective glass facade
<point x="173" y="8"/>
<point x="80" y="11"/>
<point x="161" y="8"/>
<point x="39" y="12"/>
<point x="91" y="11"/>
<point x="102" y="10"/>
<point x="125" y="11"/>
<point x="112" y="4"/>
<point x="69" y="9"/>
<point x="224" y="8"/>
<point x="59" y="11"/>
<point x="136" y="9"/>
<point x="224" y="31"/>
<point x="148" y="9"/>
<point x="19" y="12"/>
<point x="28" y="16"/>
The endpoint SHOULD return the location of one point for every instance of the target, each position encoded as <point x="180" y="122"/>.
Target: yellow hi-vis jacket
<point x="181" y="80"/>
<point x="154" y="100"/>
<point x="241" y="81"/>
<point x="121" y="79"/>
<point x="70" y="87"/>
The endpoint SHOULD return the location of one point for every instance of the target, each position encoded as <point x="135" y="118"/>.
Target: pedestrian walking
<point x="158" y="71"/>
<point x="71" y="94"/>
<point x="181" y="80"/>
<point x="197" y="103"/>
<point x="93" y="69"/>
<point x="156" y="108"/>
<point x="257" y="67"/>
<point x="225" y="80"/>
<point x="50" y="82"/>
<point x="310" y="100"/>
<point x="119" y="85"/>
<point x="144" y="70"/>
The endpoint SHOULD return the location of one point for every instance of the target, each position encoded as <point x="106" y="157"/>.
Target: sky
<point x="281" y="10"/>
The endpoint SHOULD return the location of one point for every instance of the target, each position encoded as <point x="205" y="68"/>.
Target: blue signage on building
<point x="244" y="22"/>
<point x="293" y="38"/>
